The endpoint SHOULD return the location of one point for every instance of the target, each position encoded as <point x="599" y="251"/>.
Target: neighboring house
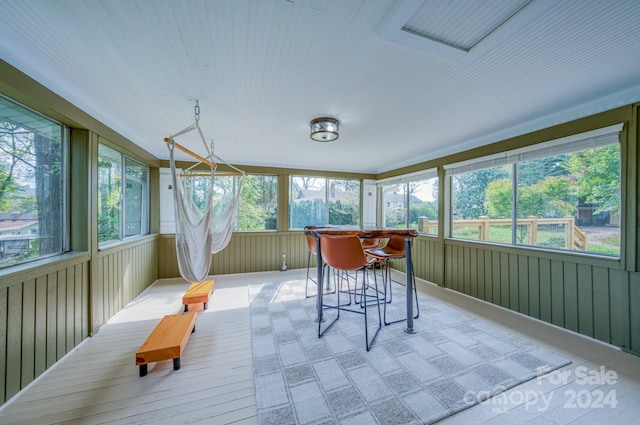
<point x="398" y="200"/>
<point x="17" y="230"/>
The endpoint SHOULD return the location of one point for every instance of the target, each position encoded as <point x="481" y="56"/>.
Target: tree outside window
<point x="32" y="185"/>
<point x="109" y="194"/>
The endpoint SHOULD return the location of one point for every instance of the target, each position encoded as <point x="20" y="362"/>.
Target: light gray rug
<point x="453" y="362"/>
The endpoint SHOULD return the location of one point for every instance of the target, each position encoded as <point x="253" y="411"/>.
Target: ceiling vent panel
<point x="461" y="24"/>
<point x="459" y="29"/>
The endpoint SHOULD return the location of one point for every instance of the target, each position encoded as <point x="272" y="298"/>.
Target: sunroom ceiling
<point x="409" y="80"/>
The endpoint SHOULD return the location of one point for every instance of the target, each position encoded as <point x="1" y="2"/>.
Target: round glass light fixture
<point x="324" y="129"/>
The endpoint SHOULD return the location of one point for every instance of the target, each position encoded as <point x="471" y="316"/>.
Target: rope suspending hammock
<point x="200" y="233"/>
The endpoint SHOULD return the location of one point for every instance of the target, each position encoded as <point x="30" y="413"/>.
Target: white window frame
<point x="65" y="140"/>
<point x="577" y="142"/>
<point x="144" y="218"/>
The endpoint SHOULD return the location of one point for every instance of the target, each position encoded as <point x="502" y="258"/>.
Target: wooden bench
<point x="167" y="340"/>
<point x="198" y="292"/>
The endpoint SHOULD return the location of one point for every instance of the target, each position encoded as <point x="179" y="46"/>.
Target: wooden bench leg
<point x="176" y="363"/>
<point x="205" y="305"/>
<point x="143" y="370"/>
<point x="186" y="308"/>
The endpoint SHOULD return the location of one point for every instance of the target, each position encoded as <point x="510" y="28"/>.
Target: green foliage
<point x="109" y="205"/>
<point x="259" y="204"/>
<point x="499" y="198"/>
<point x="307" y="212"/>
<point x="470" y="191"/>
<point x="18" y="200"/>
<point x="252" y="217"/>
<point x="549" y="187"/>
<point x="597" y="174"/>
<point x="7" y="187"/>
<point x="425" y="209"/>
<point x="343" y="213"/>
<point x="16" y="162"/>
<point x="531" y="172"/>
<point x="311" y="212"/>
<point x="396" y="217"/>
<point x="316" y="201"/>
<point x="552" y="197"/>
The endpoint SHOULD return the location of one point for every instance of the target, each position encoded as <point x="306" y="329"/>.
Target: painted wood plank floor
<point x="98" y="382"/>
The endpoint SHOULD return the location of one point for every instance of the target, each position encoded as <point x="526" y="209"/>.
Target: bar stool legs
<point x="415" y="294"/>
<point x="344" y="254"/>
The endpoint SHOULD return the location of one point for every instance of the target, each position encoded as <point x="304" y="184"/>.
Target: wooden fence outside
<point x="573" y="237"/>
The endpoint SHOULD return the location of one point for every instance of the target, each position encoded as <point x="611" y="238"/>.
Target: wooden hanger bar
<point x="193" y="154"/>
<point x="223" y="174"/>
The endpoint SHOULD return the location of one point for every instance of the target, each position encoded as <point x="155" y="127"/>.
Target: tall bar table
<point x="407" y="234"/>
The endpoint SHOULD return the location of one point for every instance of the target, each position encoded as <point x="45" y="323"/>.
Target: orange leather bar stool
<point x="370" y="243"/>
<point x="345" y="254"/>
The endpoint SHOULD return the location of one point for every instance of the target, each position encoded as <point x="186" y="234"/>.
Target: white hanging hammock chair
<point x="200" y="233"/>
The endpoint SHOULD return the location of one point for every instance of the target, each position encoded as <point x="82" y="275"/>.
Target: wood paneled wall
<point x="44" y="314"/>
<point x="121" y="274"/>
<point x="246" y="253"/>
<point x="594" y="297"/>
<point x="428" y="260"/>
<point x="47" y="310"/>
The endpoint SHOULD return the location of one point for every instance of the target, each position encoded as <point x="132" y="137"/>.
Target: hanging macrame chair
<point x="200" y="233"/>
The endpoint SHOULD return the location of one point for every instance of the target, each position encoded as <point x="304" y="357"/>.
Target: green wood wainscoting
<point x="49" y="306"/>
<point x="247" y="252"/>
<point x="44" y="314"/>
<point x="121" y="274"/>
<point x="589" y="295"/>
<point x="428" y="260"/>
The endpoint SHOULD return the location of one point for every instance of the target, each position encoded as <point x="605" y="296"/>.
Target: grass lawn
<point x="609" y="245"/>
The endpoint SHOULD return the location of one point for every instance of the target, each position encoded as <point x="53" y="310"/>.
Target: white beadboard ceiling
<point x="409" y="80"/>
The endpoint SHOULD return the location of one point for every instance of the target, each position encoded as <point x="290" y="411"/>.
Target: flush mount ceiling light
<point x="324" y="129"/>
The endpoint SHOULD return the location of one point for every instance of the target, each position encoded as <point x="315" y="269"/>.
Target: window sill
<point x="12" y="275"/>
<point x="134" y="240"/>
<point x="564" y="255"/>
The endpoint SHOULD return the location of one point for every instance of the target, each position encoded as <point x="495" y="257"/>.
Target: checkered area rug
<point x="452" y="362"/>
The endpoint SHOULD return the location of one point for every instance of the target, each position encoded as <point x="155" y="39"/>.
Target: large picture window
<point x="33" y="194"/>
<point x="318" y="201"/>
<point x="123" y="208"/>
<point x="258" y="207"/>
<point x="411" y="202"/>
<point x="563" y="194"/>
